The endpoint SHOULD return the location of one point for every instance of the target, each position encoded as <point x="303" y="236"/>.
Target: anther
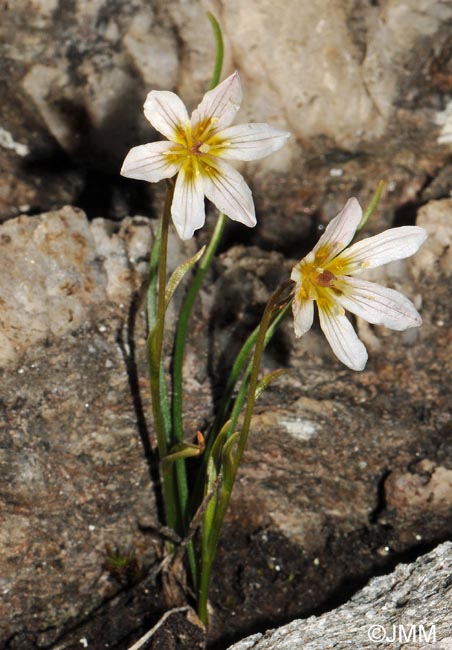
<point x="326" y="279"/>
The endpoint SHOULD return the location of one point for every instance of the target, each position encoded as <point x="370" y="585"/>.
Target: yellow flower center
<point x="319" y="278"/>
<point x="195" y="149"/>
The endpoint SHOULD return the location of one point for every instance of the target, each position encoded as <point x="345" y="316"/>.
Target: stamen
<point x="325" y="279"/>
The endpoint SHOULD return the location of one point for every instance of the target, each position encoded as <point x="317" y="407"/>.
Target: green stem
<point x="177" y="395"/>
<point x="151" y="310"/>
<point x="375" y="200"/>
<point x="155" y="347"/>
<point x="182" y="327"/>
<point x="272" y="305"/>
<point x="212" y="536"/>
<point x="234" y="375"/>
<point x="223" y="413"/>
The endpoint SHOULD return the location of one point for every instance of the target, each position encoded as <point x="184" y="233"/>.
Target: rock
<point x="34" y="173"/>
<point x="152" y="51"/>
<point x="337" y="463"/>
<point x="344" y="472"/>
<point x="77" y="458"/>
<point x="425" y="487"/>
<point x="435" y="218"/>
<point x="409" y="607"/>
<point x="53" y="277"/>
<point x="59" y="270"/>
<point x="74" y="481"/>
<point x="344" y="80"/>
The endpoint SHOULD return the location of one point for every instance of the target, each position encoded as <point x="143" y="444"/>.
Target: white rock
<point x="58" y="269"/>
<point x="435" y="217"/>
<point x="413" y="600"/>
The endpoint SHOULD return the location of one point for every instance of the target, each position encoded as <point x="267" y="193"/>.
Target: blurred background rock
<point x="365" y="87"/>
<point x="345" y="473"/>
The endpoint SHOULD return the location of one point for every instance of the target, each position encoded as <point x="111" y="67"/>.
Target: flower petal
<point x="342" y="337"/>
<point x="220" y="105"/>
<point x="167" y="113"/>
<point x="338" y="233"/>
<point x="227" y="190"/>
<point x="390" y="245"/>
<point x="376" y="304"/>
<point x="148" y="162"/>
<point x="303" y="315"/>
<point x="187" y="209"/>
<point x="249" y="141"/>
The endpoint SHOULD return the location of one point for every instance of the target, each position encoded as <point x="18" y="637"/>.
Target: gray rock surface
<point x="344" y="471"/>
<point x="60" y="271"/>
<point x="76" y="454"/>
<point x="409" y="608"/>
<point x="343" y="77"/>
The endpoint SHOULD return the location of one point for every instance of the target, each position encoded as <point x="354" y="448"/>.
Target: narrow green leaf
<point x="219" y="50"/>
<point x="185" y="450"/>
<point x="227" y="461"/>
<point x="267" y="380"/>
<point x="219" y="441"/>
<point x="238" y="367"/>
<point x="212" y="475"/>
<point x="178" y="274"/>
<point x="151" y="296"/>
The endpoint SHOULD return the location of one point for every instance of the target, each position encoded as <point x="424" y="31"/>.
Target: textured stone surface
<point x="409" y="608"/>
<point x="77" y="466"/>
<point x="60" y="271"/>
<point x="345" y="472"/>
<point x="344" y="77"/>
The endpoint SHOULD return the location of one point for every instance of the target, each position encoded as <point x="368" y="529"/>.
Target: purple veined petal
<point x="342" y="338"/>
<point x="226" y="188"/>
<point x="149" y="162"/>
<point x="303" y="315"/>
<point x="390" y="245"/>
<point x="220" y="105"/>
<point x="187" y="209"/>
<point x="167" y="113"/>
<point x="249" y="141"/>
<point x="376" y="304"/>
<point x="338" y="233"/>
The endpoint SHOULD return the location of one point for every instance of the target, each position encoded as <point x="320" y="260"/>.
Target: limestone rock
<point x="52" y="278"/>
<point x="344" y="472"/>
<point x="77" y="459"/>
<point x="435" y="218"/>
<point x="408" y="608"/>
<point x="345" y="80"/>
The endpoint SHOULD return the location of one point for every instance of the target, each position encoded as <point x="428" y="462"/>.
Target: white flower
<point x="196" y="150"/>
<point x="327" y="276"/>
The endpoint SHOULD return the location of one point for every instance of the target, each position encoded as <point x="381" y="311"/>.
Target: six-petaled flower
<point x="196" y="150"/>
<point x="327" y="276"/>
